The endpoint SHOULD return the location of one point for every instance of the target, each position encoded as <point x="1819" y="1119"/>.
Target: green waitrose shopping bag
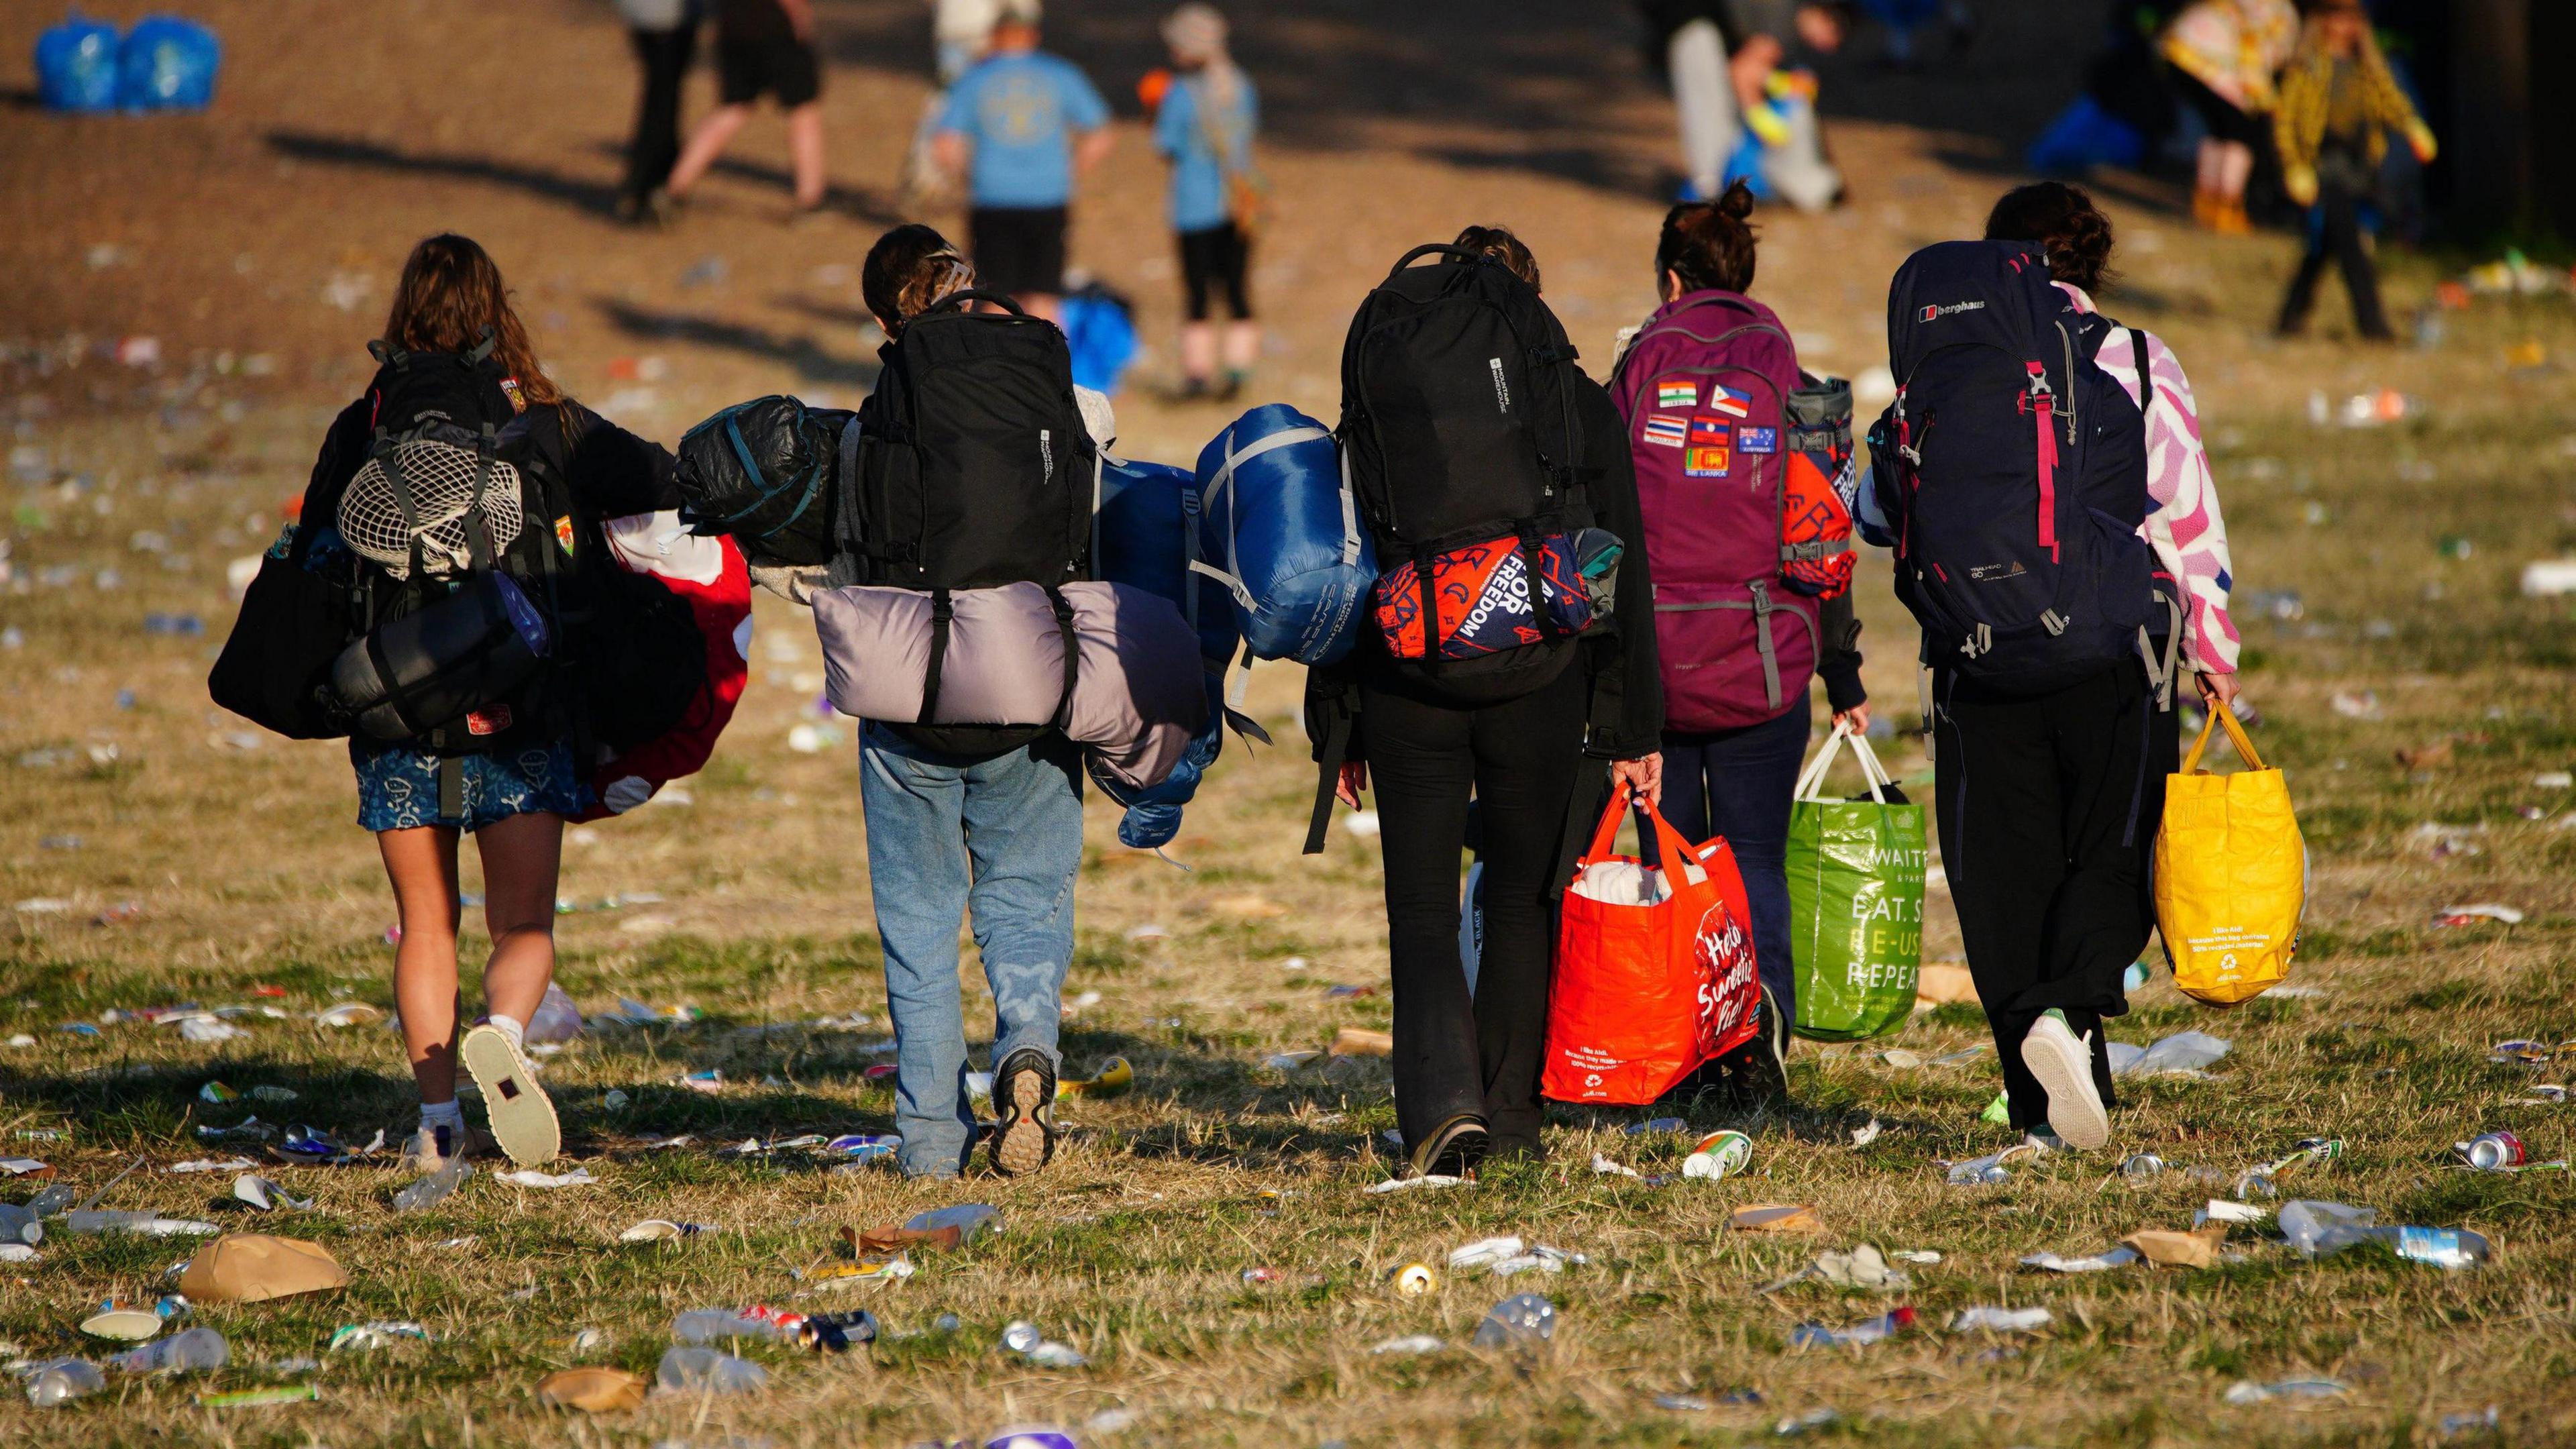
<point x="1855" y="901"/>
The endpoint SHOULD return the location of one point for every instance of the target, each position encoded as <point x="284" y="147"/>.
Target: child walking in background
<point x="1023" y="126"/>
<point x="763" y="47"/>
<point x="2338" y="103"/>
<point x="1205" y="126"/>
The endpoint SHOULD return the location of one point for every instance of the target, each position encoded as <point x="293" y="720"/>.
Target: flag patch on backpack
<point x="1758" y="440"/>
<point x="1728" y="401"/>
<point x="1712" y="448"/>
<point x="1676" y="392"/>
<point x="1666" y="430"/>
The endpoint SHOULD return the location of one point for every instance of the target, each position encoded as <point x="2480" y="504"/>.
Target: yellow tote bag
<point x="2231" y="875"/>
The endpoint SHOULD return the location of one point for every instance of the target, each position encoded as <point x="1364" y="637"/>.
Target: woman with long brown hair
<point x="452" y="308"/>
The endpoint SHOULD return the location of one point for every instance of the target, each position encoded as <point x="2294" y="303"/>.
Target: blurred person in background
<point x="2224" y="54"/>
<point x="763" y="48"/>
<point x="1719" y="56"/>
<point x="1204" y="126"/>
<point x="665" y="36"/>
<point x="961" y="31"/>
<point x="2338" y="102"/>
<point x="1022" y="126"/>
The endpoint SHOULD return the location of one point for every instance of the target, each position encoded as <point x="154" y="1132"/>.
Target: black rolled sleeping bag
<point x="442" y="662"/>
<point x="764" y="472"/>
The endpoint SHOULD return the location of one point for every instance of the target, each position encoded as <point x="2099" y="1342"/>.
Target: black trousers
<point x="2043" y="804"/>
<point x="2342" y="242"/>
<point x="664" y="56"/>
<point x="1456" y="1054"/>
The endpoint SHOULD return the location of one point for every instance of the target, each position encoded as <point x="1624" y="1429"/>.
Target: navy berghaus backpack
<point x="2015" y="471"/>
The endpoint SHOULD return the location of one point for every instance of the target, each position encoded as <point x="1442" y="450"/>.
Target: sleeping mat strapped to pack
<point x="1282" y="533"/>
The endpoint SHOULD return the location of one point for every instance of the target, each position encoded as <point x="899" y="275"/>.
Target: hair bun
<point x="1737" y="203"/>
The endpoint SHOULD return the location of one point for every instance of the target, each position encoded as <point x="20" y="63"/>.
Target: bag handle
<point x="956" y="302"/>
<point x="1811" y="780"/>
<point x="1428" y="249"/>
<point x="2219" y="715"/>
<point x="1656" y="832"/>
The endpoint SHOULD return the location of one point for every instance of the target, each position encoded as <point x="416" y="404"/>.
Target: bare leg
<point x="2235" y="168"/>
<point x="1198" y="351"/>
<point x="2211" y="166"/>
<point x="522" y="858"/>
<point x="706" y="143"/>
<point x="421" y="863"/>
<point x="1242" y="345"/>
<point x="805" y="146"/>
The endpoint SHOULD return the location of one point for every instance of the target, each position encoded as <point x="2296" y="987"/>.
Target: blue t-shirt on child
<point x="1020" y="110"/>
<point x="1198" y="178"/>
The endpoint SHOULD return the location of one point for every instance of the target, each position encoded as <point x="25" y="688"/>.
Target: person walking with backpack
<point x="2014" y="477"/>
<point x="1714" y="401"/>
<point x="982" y="480"/>
<point x="1022" y="126"/>
<point x="2338" y="103"/>
<point x="665" y="37"/>
<point x="1204" y="126"/>
<point x="763" y="48"/>
<point x="1482" y="457"/>
<point x="382" y="514"/>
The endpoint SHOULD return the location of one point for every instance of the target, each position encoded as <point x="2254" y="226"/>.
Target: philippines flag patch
<point x="1676" y="392"/>
<point x="1666" y="430"/>
<point x="1728" y="401"/>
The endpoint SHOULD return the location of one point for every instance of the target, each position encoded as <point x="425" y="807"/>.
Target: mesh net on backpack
<point x="441" y="476"/>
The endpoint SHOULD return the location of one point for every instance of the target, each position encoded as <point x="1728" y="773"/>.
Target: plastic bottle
<point x="971" y="1220"/>
<point x="63" y="1380"/>
<point x="705" y="1371"/>
<point x="198" y="1348"/>
<point x="433" y="1189"/>
<point x="2320" y="1228"/>
<point x="1522" y="1320"/>
<point x="556" y="1018"/>
<point x="1872" y="1331"/>
<point x="20" y="1225"/>
<point x="710" y="1325"/>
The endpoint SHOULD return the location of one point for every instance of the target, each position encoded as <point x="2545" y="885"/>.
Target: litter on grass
<point x="1411" y="1345"/>
<point x="1022" y="1338"/>
<point x="1428" y="1182"/>
<point x="593" y="1390"/>
<point x="530" y="1177"/>
<point x="381" y="1333"/>
<point x="1524" y="1320"/>
<point x="1862" y="1267"/>
<point x="2183" y="1054"/>
<point x="1859" y="1335"/>
<point x="2246" y="1391"/>
<point x="2109" y="1258"/>
<point x="2001" y="1320"/>
<point x="1773" y="1217"/>
<point x="2456" y="916"/>
<point x="662" y="1230"/>
<point x="266" y="1195"/>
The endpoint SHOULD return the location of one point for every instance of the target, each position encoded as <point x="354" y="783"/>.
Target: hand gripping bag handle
<point x="1812" y="779"/>
<point x="2235" y="732"/>
<point x="1655" y="832"/>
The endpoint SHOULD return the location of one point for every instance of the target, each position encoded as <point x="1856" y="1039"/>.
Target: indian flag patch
<point x="1666" y="430"/>
<point x="1676" y="392"/>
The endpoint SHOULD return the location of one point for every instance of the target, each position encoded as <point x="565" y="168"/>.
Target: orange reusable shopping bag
<point x="1654" y="965"/>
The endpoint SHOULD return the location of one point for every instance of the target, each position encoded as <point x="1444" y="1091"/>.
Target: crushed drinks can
<point x="2142" y="1165"/>
<point x="1719" y="1154"/>
<point x="2493" y="1151"/>
<point x="1415" y="1279"/>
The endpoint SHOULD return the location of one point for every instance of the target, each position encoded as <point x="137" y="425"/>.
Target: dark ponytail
<point x="1499" y="243"/>
<point x="1709" y="244"/>
<point x="2064" y="221"/>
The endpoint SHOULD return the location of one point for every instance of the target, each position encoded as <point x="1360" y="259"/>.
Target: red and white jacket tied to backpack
<point x="709" y="575"/>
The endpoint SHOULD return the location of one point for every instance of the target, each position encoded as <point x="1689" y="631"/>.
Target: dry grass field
<point x="154" y="850"/>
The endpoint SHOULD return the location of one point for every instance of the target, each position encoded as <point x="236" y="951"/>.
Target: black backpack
<point x="2015" y="470"/>
<point x="1459" y="428"/>
<point x="971" y="468"/>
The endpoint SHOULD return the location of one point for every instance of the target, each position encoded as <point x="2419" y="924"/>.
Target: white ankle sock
<point x="511" y="1027"/>
<point x="449" y="1114"/>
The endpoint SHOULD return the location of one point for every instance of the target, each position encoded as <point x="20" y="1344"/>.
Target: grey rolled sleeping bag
<point x="1139" y="691"/>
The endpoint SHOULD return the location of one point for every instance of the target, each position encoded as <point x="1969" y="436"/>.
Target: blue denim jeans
<point x="1737" y="783"/>
<point x="1004" y="837"/>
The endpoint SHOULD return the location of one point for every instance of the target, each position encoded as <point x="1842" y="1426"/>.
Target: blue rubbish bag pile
<point x="164" y="63"/>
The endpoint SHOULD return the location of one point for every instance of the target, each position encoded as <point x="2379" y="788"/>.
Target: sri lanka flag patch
<point x="1676" y="392"/>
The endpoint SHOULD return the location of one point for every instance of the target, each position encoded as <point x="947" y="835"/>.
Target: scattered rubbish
<point x="1288" y="1061"/>
<point x="2169" y="1249"/>
<point x="260" y="1398"/>
<point x="1816" y="1335"/>
<point x="1983" y="1171"/>
<point x="253" y="1267"/>
<point x="2220" y="1210"/>
<point x="2469" y="1423"/>
<point x="2364" y="705"/>
<point x="2247" y="1391"/>
<point x="1524" y="1320"/>
<point x="266" y="1195"/>
<point x="2182" y="1053"/>
<point x="1659" y="1124"/>
<point x="593" y="1390"/>
<point x="2316" y="1229"/>
<point x="1771" y="1217"/>
<point x="2548" y="578"/>
<point x="662" y="1230"/>
<point x="2109" y="1258"/>
<point x="1602" y="1166"/>
<point x="1023" y="1338"/>
<point x="1115" y="1079"/>
<point x="2001" y="1320"/>
<point x="1258" y="1276"/>
<point x="2139" y="1166"/>
<point x="1413" y="1280"/>
<point x="758" y="1320"/>
<point x="1812" y="1419"/>
<point x="969" y="1221"/>
<point x="1923" y="1257"/>
<point x="2527" y="1052"/>
<point x="196" y="1165"/>
<point x="349" y="1013"/>
<point x="433" y="1189"/>
<point x="2492" y="1151"/>
<point x="193" y="1351"/>
<point x="381" y="1333"/>
<point x="1719" y="1154"/>
<point x="2483" y="911"/>
<point x="59" y="1381"/>
<point x="1865" y="1135"/>
<point x="207" y="1029"/>
<point x="615" y="1100"/>
<point x="1485" y="1252"/>
<point x="710" y="1081"/>
<point x="1411" y="1345"/>
<point x="1352" y="1041"/>
<point x="1862" y="1267"/>
<point x="529" y="1177"/>
<point x="121" y="1321"/>
<point x="150" y="1225"/>
<point x="707" y="1371"/>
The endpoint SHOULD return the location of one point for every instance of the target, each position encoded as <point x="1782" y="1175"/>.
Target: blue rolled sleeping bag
<point x="1147" y="532"/>
<point x="1282" y="532"/>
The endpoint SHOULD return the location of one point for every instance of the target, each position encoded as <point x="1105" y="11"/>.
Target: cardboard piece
<point x="2169" y="1249"/>
<point x="593" y="1390"/>
<point x="1943" y="982"/>
<point x="1776" y="1217"/>
<point x="888" y="1241"/>
<point x="253" y="1267"/>
<point x="1353" y="1041"/>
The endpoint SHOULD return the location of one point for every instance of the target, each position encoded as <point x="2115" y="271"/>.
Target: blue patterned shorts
<point x="398" y="788"/>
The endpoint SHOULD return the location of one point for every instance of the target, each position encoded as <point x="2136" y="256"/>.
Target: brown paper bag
<point x="596" y="1390"/>
<point x="1942" y="983"/>
<point x="1353" y="1041"/>
<point x="253" y="1267"/>
<point x="1776" y="1217"/>
<point x="2169" y="1249"/>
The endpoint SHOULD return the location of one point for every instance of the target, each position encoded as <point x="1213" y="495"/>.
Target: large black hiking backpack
<point x="1461" y="434"/>
<point x="463" y="529"/>
<point x="2015" y="470"/>
<point x="970" y="468"/>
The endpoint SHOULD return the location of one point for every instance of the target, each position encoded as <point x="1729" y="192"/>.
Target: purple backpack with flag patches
<point x="1705" y="388"/>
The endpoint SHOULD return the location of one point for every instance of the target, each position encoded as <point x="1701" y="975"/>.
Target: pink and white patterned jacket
<point x="2183" y="526"/>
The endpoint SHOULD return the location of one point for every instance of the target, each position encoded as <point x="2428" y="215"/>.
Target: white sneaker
<point x="2043" y="1140"/>
<point x="522" y="1117"/>
<point x="2063" y="1062"/>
